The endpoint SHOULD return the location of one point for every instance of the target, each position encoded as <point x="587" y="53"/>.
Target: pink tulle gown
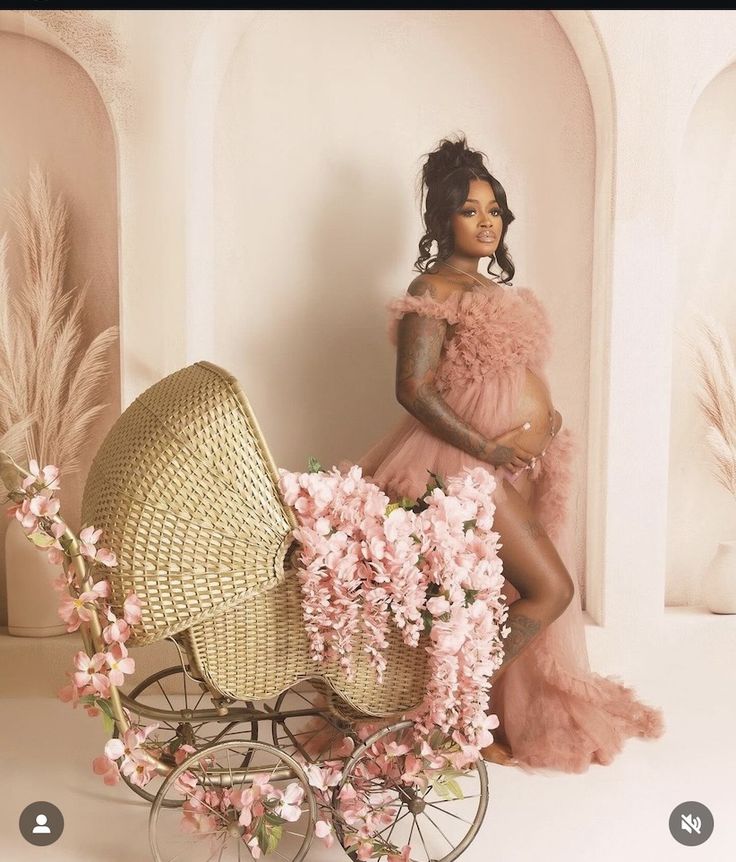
<point x="555" y="712"/>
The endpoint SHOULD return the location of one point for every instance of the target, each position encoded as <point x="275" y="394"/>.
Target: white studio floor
<point x="609" y="813"/>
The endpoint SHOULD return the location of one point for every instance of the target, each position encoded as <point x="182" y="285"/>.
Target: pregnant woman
<point x="471" y="356"/>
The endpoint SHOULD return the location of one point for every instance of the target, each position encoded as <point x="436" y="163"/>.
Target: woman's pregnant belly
<point x="535" y="406"/>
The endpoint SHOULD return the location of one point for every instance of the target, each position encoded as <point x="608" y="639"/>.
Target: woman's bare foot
<point x="498" y="752"/>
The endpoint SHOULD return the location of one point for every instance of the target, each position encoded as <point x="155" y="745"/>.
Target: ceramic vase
<point x="719" y="580"/>
<point x="32" y="601"/>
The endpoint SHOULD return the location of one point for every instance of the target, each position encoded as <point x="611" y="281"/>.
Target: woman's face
<point x="477" y="224"/>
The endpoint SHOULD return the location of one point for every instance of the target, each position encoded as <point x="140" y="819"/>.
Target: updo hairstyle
<point x="446" y="176"/>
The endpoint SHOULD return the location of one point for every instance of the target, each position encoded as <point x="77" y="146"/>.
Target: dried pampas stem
<point x="717" y="397"/>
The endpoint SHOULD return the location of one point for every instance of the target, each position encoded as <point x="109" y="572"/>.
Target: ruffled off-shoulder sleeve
<point x="424" y="305"/>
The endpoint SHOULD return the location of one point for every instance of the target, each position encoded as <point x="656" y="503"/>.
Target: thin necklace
<point x="462" y="272"/>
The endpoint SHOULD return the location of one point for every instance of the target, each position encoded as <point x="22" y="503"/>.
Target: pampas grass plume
<point x="48" y="383"/>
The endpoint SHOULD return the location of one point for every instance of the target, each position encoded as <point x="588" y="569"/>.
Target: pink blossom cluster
<point x="362" y="808"/>
<point x="92" y="680"/>
<point x="261" y="809"/>
<point x="347" y="576"/>
<point x="460" y="550"/>
<point x="94" y="675"/>
<point x="366" y="561"/>
<point x="132" y="754"/>
<point x="369" y="801"/>
<point x="37" y="499"/>
<point x="91" y="684"/>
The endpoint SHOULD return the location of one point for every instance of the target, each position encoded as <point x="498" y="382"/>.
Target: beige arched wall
<point x="53" y="114"/>
<point x="317" y="220"/>
<point x="701" y="512"/>
<point x="184" y="233"/>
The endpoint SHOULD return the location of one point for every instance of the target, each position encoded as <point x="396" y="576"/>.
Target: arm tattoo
<point x="420" y="345"/>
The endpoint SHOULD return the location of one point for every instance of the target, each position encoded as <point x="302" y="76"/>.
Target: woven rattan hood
<point x="186" y="494"/>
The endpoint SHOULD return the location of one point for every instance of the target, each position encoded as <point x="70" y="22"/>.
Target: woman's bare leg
<point x="531" y="563"/>
<point x="500" y="750"/>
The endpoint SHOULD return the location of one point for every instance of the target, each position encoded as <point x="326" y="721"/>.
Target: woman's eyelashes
<point x="469" y="212"/>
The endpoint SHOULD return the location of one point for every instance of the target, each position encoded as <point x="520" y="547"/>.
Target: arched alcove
<point x="701" y="512"/>
<point x="53" y="115"/>
<point x="316" y="217"/>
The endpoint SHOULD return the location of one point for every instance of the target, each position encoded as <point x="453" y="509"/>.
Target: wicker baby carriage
<point x="185" y="492"/>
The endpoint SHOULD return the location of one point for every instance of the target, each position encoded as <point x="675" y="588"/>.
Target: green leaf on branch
<point x="104" y="705"/>
<point x="441" y="788"/>
<point x="436" y="738"/>
<point x="258" y="829"/>
<point x="428" y="619"/>
<point x="108" y="719"/>
<point x="273" y="819"/>
<point x="273" y="836"/>
<point x="469" y="525"/>
<point x="470" y="596"/>
<point x="454" y="788"/>
<point x="313" y="465"/>
<point x="107" y="722"/>
<point x="40" y="540"/>
<point x="452" y="773"/>
<point x="447" y="787"/>
<point x="435" y="482"/>
<point x="406" y="503"/>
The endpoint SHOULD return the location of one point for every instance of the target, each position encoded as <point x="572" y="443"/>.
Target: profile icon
<point x="41" y="823"/>
<point x="41" y="828"/>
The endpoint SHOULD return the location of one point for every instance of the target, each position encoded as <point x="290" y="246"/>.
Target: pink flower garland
<point x="36" y="508"/>
<point x="367" y="561"/>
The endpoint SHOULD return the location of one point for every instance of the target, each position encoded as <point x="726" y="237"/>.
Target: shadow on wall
<point x="338" y="321"/>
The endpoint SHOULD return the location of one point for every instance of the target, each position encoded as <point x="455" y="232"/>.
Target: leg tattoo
<point x="523" y="629"/>
<point x="533" y="528"/>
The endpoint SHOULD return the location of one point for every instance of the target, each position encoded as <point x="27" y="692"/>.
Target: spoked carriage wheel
<point x="209" y="823"/>
<point x="172" y="689"/>
<point x="315" y="737"/>
<point x="435" y="823"/>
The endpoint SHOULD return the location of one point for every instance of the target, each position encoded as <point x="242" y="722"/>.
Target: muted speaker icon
<point x="691" y="823"/>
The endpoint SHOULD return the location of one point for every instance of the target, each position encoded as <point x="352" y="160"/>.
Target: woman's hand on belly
<point x="541" y="433"/>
